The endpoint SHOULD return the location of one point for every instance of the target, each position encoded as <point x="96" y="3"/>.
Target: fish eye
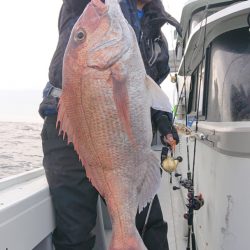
<point x="80" y="35"/>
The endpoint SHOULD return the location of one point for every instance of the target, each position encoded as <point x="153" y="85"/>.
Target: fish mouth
<point x="100" y="7"/>
<point x="92" y="15"/>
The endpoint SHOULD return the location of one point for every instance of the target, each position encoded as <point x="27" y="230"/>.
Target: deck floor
<point x="173" y="211"/>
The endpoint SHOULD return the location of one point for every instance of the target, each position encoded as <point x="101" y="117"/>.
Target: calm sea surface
<point x="20" y="147"/>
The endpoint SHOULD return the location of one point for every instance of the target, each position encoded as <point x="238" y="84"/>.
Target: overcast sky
<point x="28" y="40"/>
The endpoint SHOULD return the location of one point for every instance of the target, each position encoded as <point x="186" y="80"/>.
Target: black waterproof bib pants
<point x="75" y="199"/>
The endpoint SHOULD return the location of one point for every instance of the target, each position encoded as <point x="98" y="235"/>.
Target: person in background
<point x="154" y="50"/>
<point x="74" y="198"/>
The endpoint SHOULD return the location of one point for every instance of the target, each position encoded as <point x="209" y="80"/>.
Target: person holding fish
<point x="104" y="120"/>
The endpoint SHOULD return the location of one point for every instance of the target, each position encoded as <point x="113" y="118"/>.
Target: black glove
<point x="165" y="127"/>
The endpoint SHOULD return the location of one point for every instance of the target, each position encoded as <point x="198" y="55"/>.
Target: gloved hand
<point x="169" y="141"/>
<point x="169" y="135"/>
<point x="163" y="122"/>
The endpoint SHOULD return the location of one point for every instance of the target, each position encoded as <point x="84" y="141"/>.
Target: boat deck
<point x="25" y="203"/>
<point x="173" y="211"/>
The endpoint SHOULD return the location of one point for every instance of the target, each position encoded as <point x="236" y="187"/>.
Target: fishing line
<point x="248" y="20"/>
<point x="190" y="63"/>
<point x="191" y="233"/>
<point x="189" y="183"/>
<point x="199" y="93"/>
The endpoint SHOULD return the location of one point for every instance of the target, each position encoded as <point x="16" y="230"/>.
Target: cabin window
<point x="201" y="13"/>
<point x="197" y="79"/>
<point x="229" y="86"/>
<point x="196" y="19"/>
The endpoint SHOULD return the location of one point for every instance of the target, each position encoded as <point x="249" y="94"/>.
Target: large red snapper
<point x="105" y="111"/>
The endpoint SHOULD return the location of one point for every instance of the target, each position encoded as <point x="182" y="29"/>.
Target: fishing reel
<point x="168" y="162"/>
<point x="194" y="203"/>
<point x="186" y="183"/>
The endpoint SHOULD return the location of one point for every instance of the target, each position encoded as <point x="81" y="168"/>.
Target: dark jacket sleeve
<point x="156" y="8"/>
<point x="75" y="5"/>
<point x="171" y="20"/>
<point x="70" y="12"/>
<point x="163" y="122"/>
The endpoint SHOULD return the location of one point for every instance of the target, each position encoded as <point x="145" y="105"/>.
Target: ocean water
<point x="20" y="147"/>
<point x="20" y="128"/>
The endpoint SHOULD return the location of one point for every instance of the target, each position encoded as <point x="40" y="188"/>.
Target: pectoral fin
<point x="160" y="100"/>
<point x="120" y="94"/>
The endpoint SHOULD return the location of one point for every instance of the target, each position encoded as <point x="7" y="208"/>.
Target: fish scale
<point x="105" y="111"/>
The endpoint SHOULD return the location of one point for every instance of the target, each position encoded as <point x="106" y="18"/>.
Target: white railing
<point x="26" y="212"/>
<point x="27" y="218"/>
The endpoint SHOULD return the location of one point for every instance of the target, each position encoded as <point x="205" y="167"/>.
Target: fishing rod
<point x="195" y="202"/>
<point x="169" y="163"/>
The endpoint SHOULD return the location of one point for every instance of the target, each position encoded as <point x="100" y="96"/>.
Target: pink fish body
<point x="105" y="111"/>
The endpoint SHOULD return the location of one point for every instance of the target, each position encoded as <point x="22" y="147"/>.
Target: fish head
<point x="99" y="38"/>
<point x="92" y="23"/>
